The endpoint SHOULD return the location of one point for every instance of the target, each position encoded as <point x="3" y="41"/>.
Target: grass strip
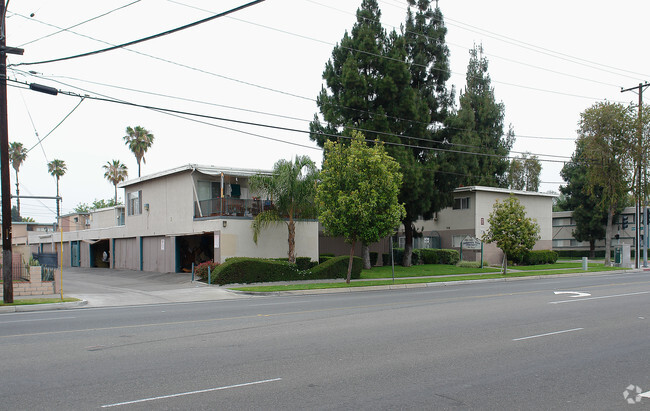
<point x="423" y="271"/>
<point x="355" y="284"/>
<point x="34" y="301"/>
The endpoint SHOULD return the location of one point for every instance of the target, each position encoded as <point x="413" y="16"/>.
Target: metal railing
<point x="226" y="206"/>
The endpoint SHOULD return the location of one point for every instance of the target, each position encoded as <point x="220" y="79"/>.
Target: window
<point x="461" y="203"/>
<point x="134" y="202"/>
<point x="457" y="239"/>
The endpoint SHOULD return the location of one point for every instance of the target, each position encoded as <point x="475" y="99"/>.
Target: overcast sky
<point x="548" y="62"/>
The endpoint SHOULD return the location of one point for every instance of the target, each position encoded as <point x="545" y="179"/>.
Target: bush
<point x="416" y="257"/>
<point x="385" y="259"/>
<point x="469" y="264"/>
<point x="254" y="270"/>
<point x="201" y="270"/>
<point x="373" y="258"/>
<point x="536" y="257"/>
<point x="259" y="270"/>
<point x="336" y="267"/>
<point x="322" y="259"/>
<point x="439" y="256"/>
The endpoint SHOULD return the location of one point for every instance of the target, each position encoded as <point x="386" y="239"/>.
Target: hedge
<point x="373" y="258"/>
<point x="336" y="267"/>
<point x="303" y="263"/>
<point x="439" y="256"/>
<point x="536" y="257"/>
<point x="259" y="270"/>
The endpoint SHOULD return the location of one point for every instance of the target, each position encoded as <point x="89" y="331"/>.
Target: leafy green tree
<point x="391" y="87"/>
<point x="28" y="220"/>
<point x="96" y="205"/>
<point x="357" y="197"/>
<point x="523" y="173"/>
<point x="17" y="156"/>
<point x="606" y="131"/>
<point x="57" y="169"/>
<point x="139" y="141"/>
<point x="590" y="219"/>
<point x="514" y="233"/>
<point x="115" y="172"/>
<point x="479" y="124"/>
<point x="292" y="186"/>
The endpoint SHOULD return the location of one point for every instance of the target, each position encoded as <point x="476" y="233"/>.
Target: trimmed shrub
<point x="416" y="256"/>
<point x="201" y="270"/>
<point x="324" y="258"/>
<point x="373" y="258"/>
<point x="439" y="256"/>
<point x="254" y="270"/>
<point x="258" y="270"/>
<point x="536" y="257"/>
<point x="336" y="267"/>
<point x="385" y="259"/>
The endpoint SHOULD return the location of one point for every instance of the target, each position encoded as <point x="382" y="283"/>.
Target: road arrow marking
<point x="577" y="293"/>
<point x="645" y="394"/>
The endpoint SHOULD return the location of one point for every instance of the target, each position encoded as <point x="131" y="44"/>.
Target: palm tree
<point x="116" y="172"/>
<point x="57" y="168"/>
<point x="139" y="140"/>
<point x="292" y="186"/>
<point x="17" y="156"/>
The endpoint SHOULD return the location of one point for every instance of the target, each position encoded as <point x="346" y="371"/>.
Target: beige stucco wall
<point x="237" y="240"/>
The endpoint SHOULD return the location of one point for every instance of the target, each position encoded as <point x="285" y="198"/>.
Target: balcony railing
<point x="226" y="206"/>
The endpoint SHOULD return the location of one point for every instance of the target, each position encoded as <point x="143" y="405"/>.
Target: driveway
<point x="103" y="287"/>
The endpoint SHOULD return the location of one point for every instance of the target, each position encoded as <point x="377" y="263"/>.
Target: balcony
<point x="232" y="207"/>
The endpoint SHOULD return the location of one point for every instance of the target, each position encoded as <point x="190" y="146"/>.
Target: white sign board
<point x="471" y="243"/>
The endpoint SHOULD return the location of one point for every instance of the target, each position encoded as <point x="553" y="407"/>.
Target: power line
<point x="80" y="23"/>
<point x="155" y="36"/>
<point x="274" y="127"/>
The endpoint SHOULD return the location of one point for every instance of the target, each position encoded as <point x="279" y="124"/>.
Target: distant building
<point x="189" y="214"/>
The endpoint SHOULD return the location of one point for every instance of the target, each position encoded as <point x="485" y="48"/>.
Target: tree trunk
<point x="18" y="195"/>
<point x="116" y="196"/>
<point x="354" y="243"/>
<point x="505" y="263"/>
<point x="365" y="253"/>
<point x="291" y="226"/>
<point x="608" y="237"/>
<point x="592" y="248"/>
<point x="58" y="208"/>
<point x="408" y="244"/>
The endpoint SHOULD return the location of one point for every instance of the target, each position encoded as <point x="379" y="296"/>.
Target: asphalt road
<point x="495" y="346"/>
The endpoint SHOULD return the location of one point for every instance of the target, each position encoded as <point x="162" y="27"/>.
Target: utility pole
<point x="639" y="181"/>
<point x="5" y="189"/>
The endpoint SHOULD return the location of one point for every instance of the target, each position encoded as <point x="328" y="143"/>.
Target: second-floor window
<point x="461" y="203"/>
<point x="134" y="202"/>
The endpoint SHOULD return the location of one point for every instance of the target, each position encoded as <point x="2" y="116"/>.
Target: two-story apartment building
<point x="171" y="219"/>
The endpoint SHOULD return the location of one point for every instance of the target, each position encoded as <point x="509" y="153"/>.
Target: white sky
<point x="283" y="45"/>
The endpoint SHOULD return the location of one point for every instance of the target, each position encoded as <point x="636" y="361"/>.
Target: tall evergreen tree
<point x="391" y="87"/>
<point x="479" y="123"/>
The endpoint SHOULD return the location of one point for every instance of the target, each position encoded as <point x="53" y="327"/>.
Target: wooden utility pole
<point x="5" y="184"/>
<point x="639" y="179"/>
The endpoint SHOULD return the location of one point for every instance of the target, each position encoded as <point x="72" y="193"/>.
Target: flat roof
<point x="203" y="169"/>
<point x="503" y="191"/>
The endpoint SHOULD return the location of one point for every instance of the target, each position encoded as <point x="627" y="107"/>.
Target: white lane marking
<point x="645" y="394"/>
<point x="117" y="404"/>
<point x="37" y="319"/>
<point x="598" y="298"/>
<point x="547" y="334"/>
<point x="577" y="293"/>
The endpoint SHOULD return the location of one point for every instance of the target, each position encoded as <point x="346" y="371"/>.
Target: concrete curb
<point x="42" y="307"/>
<point x="430" y="284"/>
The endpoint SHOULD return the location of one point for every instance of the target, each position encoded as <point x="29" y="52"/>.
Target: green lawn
<point x="434" y="274"/>
<point x="424" y="270"/>
<point x="563" y="265"/>
<point x="33" y="301"/>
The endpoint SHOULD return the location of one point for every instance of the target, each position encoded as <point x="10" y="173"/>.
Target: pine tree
<point x="479" y="123"/>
